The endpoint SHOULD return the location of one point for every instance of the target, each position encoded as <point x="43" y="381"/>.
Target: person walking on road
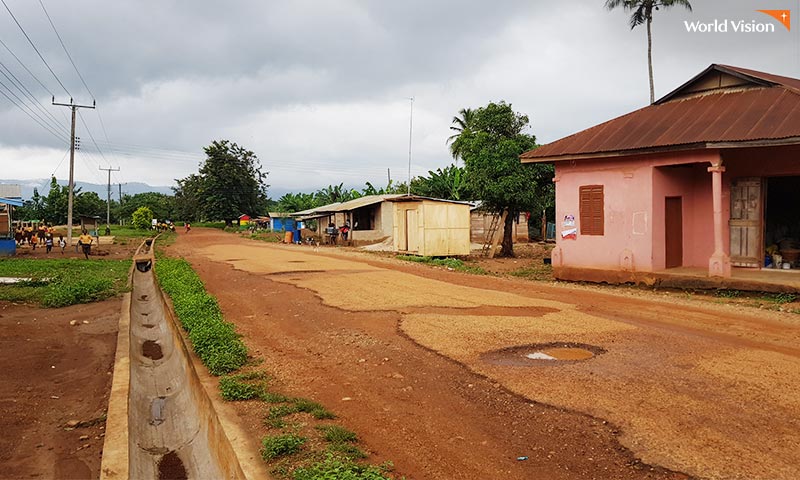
<point x="48" y="241"/>
<point x="62" y="244"/>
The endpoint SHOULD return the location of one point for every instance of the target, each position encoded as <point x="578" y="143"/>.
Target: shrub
<point x="315" y="409"/>
<point x="82" y="290"/>
<point x="142" y="218"/>
<point x="281" y="445"/>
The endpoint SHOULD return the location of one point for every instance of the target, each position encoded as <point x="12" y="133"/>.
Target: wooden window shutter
<point x="591" y="210"/>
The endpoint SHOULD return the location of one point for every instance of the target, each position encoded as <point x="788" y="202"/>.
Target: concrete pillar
<point x="719" y="265"/>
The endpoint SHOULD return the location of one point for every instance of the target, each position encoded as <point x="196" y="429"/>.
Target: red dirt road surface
<point x="414" y="360"/>
<point x="54" y="384"/>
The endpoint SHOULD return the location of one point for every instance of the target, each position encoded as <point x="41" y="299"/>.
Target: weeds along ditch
<point x="301" y="442"/>
<point x="63" y="282"/>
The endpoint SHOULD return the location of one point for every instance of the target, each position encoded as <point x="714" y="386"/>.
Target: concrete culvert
<point x="170" y="467"/>
<point x="542" y="354"/>
<point x="152" y="350"/>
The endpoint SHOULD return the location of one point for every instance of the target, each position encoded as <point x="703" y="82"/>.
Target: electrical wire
<point x="24" y="90"/>
<point x="34" y="47"/>
<point x="80" y="115"/>
<point x="29" y="109"/>
<point x="48" y="129"/>
<point x="65" y="50"/>
<point x="26" y="68"/>
<point x="59" y="163"/>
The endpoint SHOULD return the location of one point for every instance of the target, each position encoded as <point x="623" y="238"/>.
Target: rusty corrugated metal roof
<point x="768" y="108"/>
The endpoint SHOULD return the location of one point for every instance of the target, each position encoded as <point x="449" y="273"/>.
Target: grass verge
<point x="449" y="263"/>
<point x="214" y="340"/>
<point x="63" y="282"/>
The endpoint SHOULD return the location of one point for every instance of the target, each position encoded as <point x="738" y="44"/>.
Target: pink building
<point x="708" y="177"/>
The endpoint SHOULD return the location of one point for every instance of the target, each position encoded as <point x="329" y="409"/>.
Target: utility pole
<point x="410" y="129"/>
<point x="74" y="107"/>
<point x="108" y="205"/>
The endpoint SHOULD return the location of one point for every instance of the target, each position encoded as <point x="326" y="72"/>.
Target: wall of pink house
<point x="635" y="188"/>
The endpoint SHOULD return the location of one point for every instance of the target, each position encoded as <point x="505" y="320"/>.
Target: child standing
<point x="48" y="242"/>
<point x="62" y="244"/>
<point x="34" y="240"/>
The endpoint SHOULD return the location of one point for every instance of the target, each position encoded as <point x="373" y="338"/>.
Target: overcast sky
<point x="319" y="89"/>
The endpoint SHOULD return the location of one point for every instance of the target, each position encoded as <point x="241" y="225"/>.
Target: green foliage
<point x="450" y="263"/>
<point x="280" y="411"/>
<point x="347" y="450"/>
<point x="272" y="397"/>
<point x="780" y="298"/>
<point x="280" y="446"/>
<point x="449" y="184"/>
<point x="142" y="218"/>
<point x="58" y="283"/>
<point x="315" y="409"/>
<point x="725" y="293"/>
<point x="243" y="386"/>
<point x="214" y="340"/>
<point x="163" y="206"/>
<point x="337" y="434"/>
<point x="335" y="468"/>
<point x="491" y="147"/>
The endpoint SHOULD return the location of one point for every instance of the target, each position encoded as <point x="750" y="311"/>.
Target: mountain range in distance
<point x="131" y="188"/>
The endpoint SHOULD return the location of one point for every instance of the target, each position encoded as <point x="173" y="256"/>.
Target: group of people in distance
<point x="43" y="235"/>
<point x="332" y="232"/>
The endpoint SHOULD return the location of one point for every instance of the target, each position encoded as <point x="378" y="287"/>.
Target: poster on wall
<point x="570" y="234"/>
<point x="569" y="221"/>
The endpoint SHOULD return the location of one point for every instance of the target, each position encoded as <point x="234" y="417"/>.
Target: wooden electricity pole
<point x="74" y="107"/>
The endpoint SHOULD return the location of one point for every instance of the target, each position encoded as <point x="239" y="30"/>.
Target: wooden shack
<point x="431" y="227"/>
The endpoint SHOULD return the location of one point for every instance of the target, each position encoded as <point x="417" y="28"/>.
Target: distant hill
<point x="43" y="185"/>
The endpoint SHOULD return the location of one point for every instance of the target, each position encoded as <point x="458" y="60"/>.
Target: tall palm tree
<point x="643" y="13"/>
<point x="460" y="125"/>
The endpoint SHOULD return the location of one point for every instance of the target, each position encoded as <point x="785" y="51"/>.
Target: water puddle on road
<point x="542" y="354"/>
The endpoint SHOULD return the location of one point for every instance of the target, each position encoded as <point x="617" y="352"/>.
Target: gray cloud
<point x="318" y="88"/>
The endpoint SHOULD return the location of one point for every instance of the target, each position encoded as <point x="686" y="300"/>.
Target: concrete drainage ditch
<point x="552" y="353"/>
<point x="161" y="422"/>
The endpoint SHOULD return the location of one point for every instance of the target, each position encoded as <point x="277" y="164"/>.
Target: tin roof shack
<point x="431" y="227"/>
<point x="9" y="198"/>
<point x="705" y="178"/>
<point x="371" y="217"/>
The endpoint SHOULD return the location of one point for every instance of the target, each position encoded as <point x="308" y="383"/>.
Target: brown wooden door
<point x="673" y="241"/>
<point x="745" y="223"/>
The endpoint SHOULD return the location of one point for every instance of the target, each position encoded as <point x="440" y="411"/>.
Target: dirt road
<point x="402" y="353"/>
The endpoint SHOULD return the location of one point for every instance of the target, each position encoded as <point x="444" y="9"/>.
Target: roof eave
<point x="770" y="142"/>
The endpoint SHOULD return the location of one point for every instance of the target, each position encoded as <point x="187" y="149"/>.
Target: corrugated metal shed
<point x="337" y="207"/>
<point x="722" y="106"/>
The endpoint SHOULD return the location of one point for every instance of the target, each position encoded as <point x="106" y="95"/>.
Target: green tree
<point x="142" y="218"/>
<point x="89" y="203"/>
<point x="490" y="149"/>
<point x="188" y="196"/>
<point x="56" y="203"/>
<point x="461" y="123"/>
<point x="449" y="184"/>
<point x="296" y="202"/>
<point x="642" y="12"/>
<point x="232" y="182"/>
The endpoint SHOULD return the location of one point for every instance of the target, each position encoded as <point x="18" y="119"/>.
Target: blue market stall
<point x="8" y="246"/>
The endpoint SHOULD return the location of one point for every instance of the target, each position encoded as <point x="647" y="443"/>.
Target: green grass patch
<point x="272" y="397"/>
<point x="448" y="262"/>
<point x="780" y="298"/>
<point x="219" y="225"/>
<point x="534" y="272"/>
<point x="275" y="446"/>
<point x="347" y="450"/>
<point x="280" y="411"/>
<point x="243" y="386"/>
<point x="62" y="282"/>
<point x="315" y="409"/>
<point x="214" y="340"/>
<point x="726" y="293"/>
<point x="337" y="468"/>
<point x="337" y="434"/>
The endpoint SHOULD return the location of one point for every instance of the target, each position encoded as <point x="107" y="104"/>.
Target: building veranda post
<point x="705" y="179"/>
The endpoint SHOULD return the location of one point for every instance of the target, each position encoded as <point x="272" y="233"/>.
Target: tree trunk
<point x="650" y="59"/>
<point x="507" y="249"/>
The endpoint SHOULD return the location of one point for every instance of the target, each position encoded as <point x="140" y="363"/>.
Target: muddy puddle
<point x="542" y="354"/>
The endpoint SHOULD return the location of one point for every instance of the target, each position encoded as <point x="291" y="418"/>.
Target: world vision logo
<point x="784" y="17"/>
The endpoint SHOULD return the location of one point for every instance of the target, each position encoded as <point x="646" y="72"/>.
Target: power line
<point x="26" y="68"/>
<point x="22" y="88"/>
<point x="47" y="128"/>
<point x="91" y="136"/>
<point x="65" y="50"/>
<point x="29" y="109"/>
<point x="34" y="47"/>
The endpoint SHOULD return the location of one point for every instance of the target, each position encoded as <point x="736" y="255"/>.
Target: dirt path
<point x="53" y="373"/>
<point x="685" y="387"/>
